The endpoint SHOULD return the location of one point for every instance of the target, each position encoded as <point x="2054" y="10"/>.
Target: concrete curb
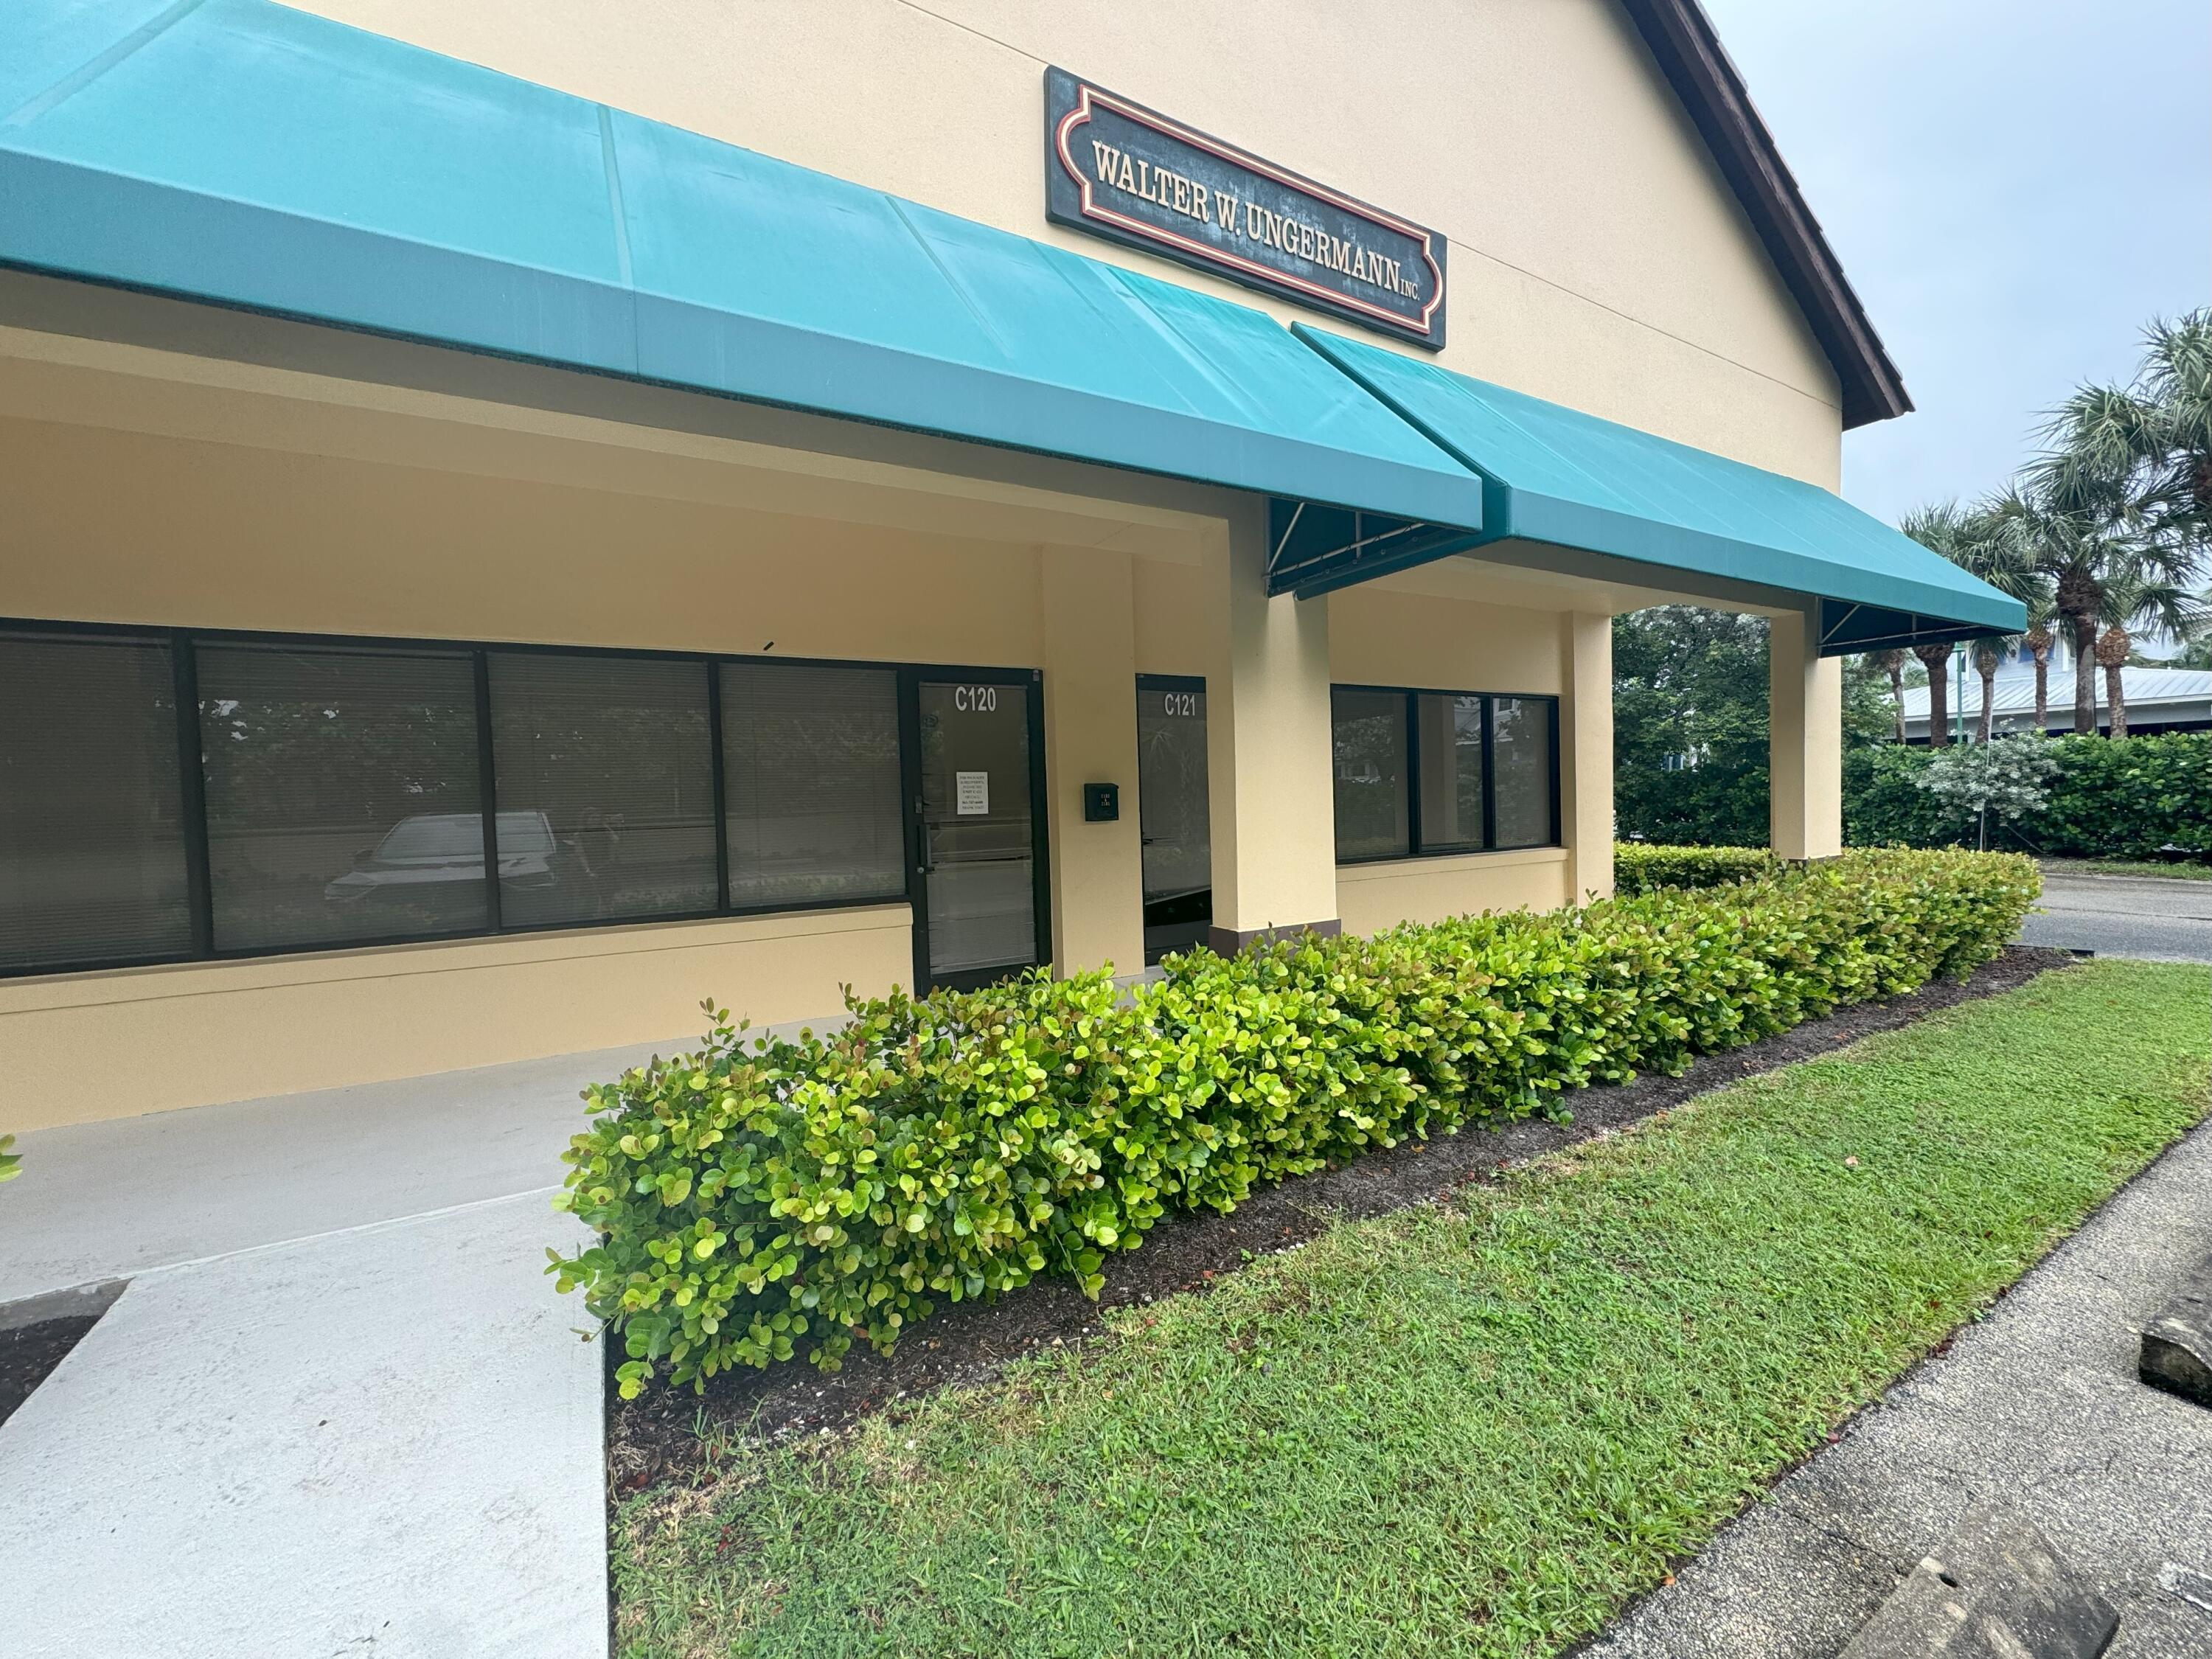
<point x="2177" y="1344"/>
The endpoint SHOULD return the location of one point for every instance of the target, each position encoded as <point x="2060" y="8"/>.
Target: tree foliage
<point x="2004" y="781"/>
<point x="1690" y="725"/>
<point x="2107" y="529"/>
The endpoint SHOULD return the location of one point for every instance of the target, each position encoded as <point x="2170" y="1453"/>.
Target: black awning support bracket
<point x="1282" y="539"/>
<point x="1848" y="630"/>
<point x="1831" y="630"/>
<point x="1314" y="550"/>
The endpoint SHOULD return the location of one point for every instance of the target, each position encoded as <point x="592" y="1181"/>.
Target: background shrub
<point x="2130" y="799"/>
<point x="1884" y="804"/>
<point x="762" y="1197"/>
<point x="1640" y="867"/>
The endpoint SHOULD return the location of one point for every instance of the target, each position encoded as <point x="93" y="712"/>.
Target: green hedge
<point x="1643" y="866"/>
<point x="762" y="1197"/>
<point x="2125" y="799"/>
<point x="2130" y="798"/>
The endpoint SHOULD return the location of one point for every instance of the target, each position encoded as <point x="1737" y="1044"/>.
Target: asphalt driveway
<point x="2124" y="916"/>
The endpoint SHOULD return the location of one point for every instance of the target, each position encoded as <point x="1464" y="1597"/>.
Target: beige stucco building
<point x="396" y="675"/>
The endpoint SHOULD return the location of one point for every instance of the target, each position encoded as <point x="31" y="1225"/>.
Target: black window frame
<point x="1410" y="696"/>
<point x="183" y="643"/>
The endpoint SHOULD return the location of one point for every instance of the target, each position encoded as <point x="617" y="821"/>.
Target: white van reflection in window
<point x="434" y="847"/>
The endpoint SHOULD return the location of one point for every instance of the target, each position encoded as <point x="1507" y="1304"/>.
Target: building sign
<point x="1120" y="171"/>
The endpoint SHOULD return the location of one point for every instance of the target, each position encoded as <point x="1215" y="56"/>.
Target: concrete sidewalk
<point x="2038" y="1409"/>
<point x="339" y="1409"/>
<point x="106" y="1200"/>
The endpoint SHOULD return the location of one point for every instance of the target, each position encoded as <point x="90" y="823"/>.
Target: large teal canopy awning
<point x="243" y="154"/>
<point x="246" y="154"/>
<point x="1553" y="476"/>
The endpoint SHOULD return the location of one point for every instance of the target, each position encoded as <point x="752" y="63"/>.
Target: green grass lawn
<point x="1470" y="1429"/>
<point x="2126" y="867"/>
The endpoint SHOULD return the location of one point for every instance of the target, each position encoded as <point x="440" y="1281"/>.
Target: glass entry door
<point x="1171" y="813"/>
<point x="979" y="885"/>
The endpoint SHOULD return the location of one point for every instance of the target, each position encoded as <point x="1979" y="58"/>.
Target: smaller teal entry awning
<point x="1553" y="476"/>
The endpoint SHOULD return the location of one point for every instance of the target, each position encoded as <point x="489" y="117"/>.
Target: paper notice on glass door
<point x="971" y="794"/>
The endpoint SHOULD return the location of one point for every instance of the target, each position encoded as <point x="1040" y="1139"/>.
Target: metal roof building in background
<point x="2158" y="699"/>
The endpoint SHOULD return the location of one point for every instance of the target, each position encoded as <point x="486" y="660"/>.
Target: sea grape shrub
<point x="1642" y="866"/>
<point x="763" y="1197"/>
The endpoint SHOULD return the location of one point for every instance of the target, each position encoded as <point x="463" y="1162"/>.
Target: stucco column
<point x="1091" y="737"/>
<point x="1586" y="753"/>
<point x="1269" y="787"/>
<point x="1805" y="741"/>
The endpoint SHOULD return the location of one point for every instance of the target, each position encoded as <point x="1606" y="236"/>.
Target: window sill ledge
<point x="1446" y="863"/>
<point x="104" y="987"/>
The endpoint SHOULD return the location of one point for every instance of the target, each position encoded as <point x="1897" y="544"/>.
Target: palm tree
<point x="2039" y="640"/>
<point x="1986" y="551"/>
<point x="2195" y="638"/>
<point x="2123" y="499"/>
<point x="2073" y="547"/>
<point x="2137" y="600"/>
<point x="2152" y="438"/>
<point x="1936" y="659"/>
<point x="1980" y="542"/>
<point x="1988" y="654"/>
<point x="1893" y="664"/>
<point x="1940" y="528"/>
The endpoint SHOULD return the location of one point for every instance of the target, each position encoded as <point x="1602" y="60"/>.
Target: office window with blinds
<point x="1453" y="793"/>
<point x="811" y="773"/>
<point x="1369" y="756"/>
<point x="604" y="776"/>
<point x="177" y="796"/>
<point x="345" y="802"/>
<point x="1523" y="743"/>
<point x="92" y="864"/>
<point x="1423" y="774"/>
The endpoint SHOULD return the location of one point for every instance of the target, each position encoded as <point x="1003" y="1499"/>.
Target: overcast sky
<point x="2014" y="187"/>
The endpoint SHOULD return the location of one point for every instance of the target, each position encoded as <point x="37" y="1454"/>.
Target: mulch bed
<point x="658" y="1436"/>
<point x="29" y="1353"/>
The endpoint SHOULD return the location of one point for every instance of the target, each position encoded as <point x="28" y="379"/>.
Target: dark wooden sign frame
<point x="1116" y="169"/>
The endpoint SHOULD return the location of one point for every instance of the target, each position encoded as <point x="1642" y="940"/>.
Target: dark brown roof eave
<point x="1689" y="54"/>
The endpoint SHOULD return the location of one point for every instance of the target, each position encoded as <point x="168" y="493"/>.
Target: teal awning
<point x="243" y="153"/>
<point x="1552" y="474"/>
